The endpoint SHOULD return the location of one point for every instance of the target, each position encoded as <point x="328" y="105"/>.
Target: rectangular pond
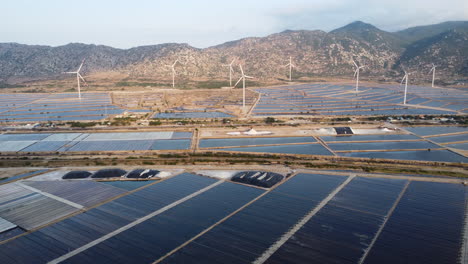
<point x="224" y="142"/>
<point x="423" y="155"/>
<point x="306" y="149"/>
<point x="382" y="145"/>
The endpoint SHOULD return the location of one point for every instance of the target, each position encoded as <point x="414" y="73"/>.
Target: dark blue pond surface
<point x="307" y="149"/>
<point x="344" y="228"/>
<point x="45" y="146"/>
<point x="11" y="233"/>
<point x="182" y="135"/>
<point x="383" y="145"/>
<point x="368" y="137"/>
<point x="436" y="104"/>
<point x="424" y="155"/>
<point x="456" y="106"/>
<point x="63" y="114"/>
<point x="246" y="235"/>
<point x="426" y="226"/>
<point x="463" y="146"/>
<point x="446" y="139"/>
<point x="222" y="142"/>
<point x="112" y="145"/>
<point x="435" y="130"/>
<point x="370" y="195"/>
<point x="157" y="236"/>
<point x="57" y="239"/>
<point x="127" y="185"/>
<point x="173" y="144"/>
<point x="418" y="101"/>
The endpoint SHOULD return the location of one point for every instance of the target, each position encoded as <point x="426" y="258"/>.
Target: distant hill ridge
<point x="314" y="52"/>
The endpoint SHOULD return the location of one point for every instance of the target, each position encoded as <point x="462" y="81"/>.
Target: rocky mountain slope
<point x="315" y="53"/>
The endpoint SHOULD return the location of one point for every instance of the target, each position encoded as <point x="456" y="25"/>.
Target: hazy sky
<point x="203" y="23"/>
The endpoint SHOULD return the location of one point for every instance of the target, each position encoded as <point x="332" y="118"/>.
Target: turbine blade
<point x="230" y="64"/>
<point x="355" y="73"/>
<point x="237" y="82"/>
<point x="249" y="77"/>
<point x="81" y="65"/>
<point x="355" y="64"/>
<point x="242" y="71"/>
<point x="81" y="77"/>
<point x="403" y="80"/>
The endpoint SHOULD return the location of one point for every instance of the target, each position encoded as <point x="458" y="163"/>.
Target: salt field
<point x="56" y="107"/>
<point x="309" y="217"/>
<point x="430" y="147"/>
<point x="125" y="141"/>
<point x="436" y="143"/>
<point x="451" y="137"/>
<point x="329" y="99"/>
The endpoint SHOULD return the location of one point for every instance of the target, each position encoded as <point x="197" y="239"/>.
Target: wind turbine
<point x="405" y="78"/>
<point x="174" y="72"/>
<point x="231" y="71"/>
<point x="78" y="77"/>
<point x="290" y="68"/>
<point x="356" y="74"/>
<point x="242" y="78"/>
<point x="433" y="74"/>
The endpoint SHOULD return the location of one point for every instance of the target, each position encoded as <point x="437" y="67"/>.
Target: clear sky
<point x="203" y="23"/>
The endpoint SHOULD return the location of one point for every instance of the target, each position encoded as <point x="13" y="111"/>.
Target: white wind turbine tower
<point x="78" y="77"/>
<point x="405" y="78"/>
<point x="433" y="74"/>
<point x="174" y="72"/>
<point x="242" y="78"/>
<point x="231" y="71"/>
<point x="290" y="68"/>
<point x="356" y="74"/>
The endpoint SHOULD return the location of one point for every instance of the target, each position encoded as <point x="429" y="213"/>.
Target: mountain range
<point x="315" y="53"/>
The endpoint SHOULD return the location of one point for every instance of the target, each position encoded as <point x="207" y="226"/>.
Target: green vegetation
<point x="212" y="84"/>
<point x="82" y="124"/>
<point x="123" y="121"/>
<point x="155" y="123"/>
<point x="341" y="119"/>
<point x="270" y="120"/>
